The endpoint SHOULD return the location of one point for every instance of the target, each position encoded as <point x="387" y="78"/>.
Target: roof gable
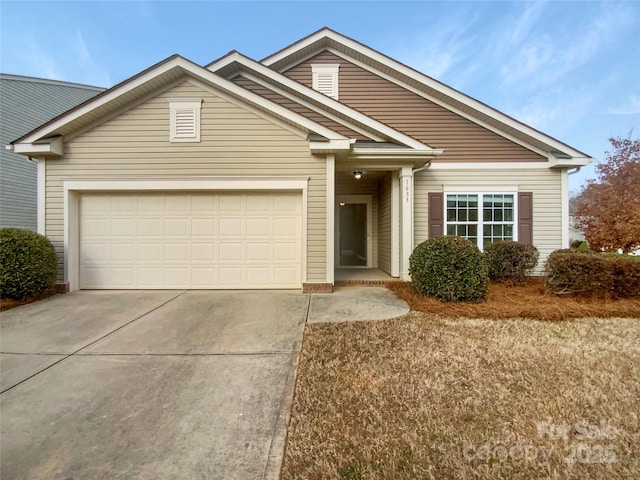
<point x="149" y="83"/>
<point x="433" y="90"/>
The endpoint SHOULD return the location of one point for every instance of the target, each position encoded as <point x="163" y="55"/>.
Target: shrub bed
<point x="510" y="261"/>
<point x="27" y="264"/>
<point x="451" y="269"/>
<point x="594" y="274"/>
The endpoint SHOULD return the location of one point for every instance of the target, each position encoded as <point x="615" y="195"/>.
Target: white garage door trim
<point x="74" y="188"/>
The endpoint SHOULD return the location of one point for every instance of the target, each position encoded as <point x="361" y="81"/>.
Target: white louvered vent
<point x="185" y="120"/>
<point x="325" y="79"/>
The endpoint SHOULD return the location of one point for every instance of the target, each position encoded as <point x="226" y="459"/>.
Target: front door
<point x="353" y="232"/>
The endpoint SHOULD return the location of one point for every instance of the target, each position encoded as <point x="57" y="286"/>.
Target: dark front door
<point x="353" y="235"/>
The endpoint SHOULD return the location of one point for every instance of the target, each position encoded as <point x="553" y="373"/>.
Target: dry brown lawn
<point x="426" y="396"/>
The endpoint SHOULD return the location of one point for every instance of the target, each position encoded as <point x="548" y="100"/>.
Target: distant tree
<point x="608" y="209"/>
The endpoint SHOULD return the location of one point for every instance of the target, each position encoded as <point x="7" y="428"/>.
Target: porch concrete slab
<point x="215" y="322"/>
<point x="17" y="367"/>
<point x="146" y="417"/>
<point x="355" y="303"/>
<point x="62" y="324"/>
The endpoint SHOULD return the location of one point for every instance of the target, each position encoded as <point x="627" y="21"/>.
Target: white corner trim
<point x="55" y="147"/>
<point x="395" y="224"/>
<point x="330" y="220"/>
<point x="41" y="198"/>
<point x="564" y="182"/>
<point x="406" y="203"/>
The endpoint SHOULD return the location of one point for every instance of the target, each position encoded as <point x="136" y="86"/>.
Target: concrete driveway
<point x="149" y="385"/>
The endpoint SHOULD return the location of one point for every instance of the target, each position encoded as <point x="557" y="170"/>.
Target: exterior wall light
<point x="357" y="174"/>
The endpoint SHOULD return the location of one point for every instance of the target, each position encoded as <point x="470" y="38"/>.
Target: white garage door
<point x="190" y="240"/>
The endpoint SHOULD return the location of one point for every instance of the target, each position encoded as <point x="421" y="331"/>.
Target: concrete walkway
<point x="154" y="385"/>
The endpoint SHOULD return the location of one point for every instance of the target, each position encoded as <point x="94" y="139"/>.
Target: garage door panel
<point x="192" y="240"/>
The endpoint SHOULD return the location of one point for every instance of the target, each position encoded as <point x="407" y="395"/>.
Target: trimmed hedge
<point x="510" y="261"/>
<point x="27" y="264"/>
<point x="594" y="274"/>
<point x="450" y="268"/>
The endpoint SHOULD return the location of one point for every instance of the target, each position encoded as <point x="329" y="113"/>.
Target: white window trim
<point x="193" y="105"/>
<point x="324" y="69"/>
<point x="73" y="188"/>
<point x="480" y="192"/>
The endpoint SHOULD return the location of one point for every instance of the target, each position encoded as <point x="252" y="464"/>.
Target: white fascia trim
<point x="330" y="220"/>
<point x="564" y="207"/>
<point x="489" y="166"/>
<point x="330" y="146"/>
<point x="393" y="153"/>
<point x="200" y="73"/>
<point x="41" y="196"/>
<point x="312" y="106"/>
<point x="53" y="148"/>
<point x="462" y="189"/>
<point x="556" y="162"/>
<point x="213" y="183"/>
<point x="321" y="98"/>
<point x="427" y="81"/>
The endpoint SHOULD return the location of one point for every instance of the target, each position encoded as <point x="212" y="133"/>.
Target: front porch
<point x="345" y="276"/>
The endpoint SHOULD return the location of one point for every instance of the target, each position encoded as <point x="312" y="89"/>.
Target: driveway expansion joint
<point x="67" y="355"/>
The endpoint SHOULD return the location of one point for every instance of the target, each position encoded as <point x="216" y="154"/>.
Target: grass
<point x="435" y="396"/>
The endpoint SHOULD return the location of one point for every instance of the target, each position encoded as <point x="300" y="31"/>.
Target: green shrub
<point x="510" y="261"/>
<point x="27" y="264"/>
<point x="593" y="274"/>
<point x="451" y="269"/>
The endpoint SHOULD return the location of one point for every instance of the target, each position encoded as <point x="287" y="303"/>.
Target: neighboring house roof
<point x="560" y="154"/>
<point x="25" y="103"/>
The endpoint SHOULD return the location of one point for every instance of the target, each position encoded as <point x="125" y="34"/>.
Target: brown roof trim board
<point x="459" y="102"/>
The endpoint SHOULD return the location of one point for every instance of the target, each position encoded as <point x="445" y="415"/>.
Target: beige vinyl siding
<point x="234" y="142"/>
<point x="544" y="183"/>
<point x="347" y="185"/>
<point x="384" y="223"/>
<point x="461" y="139"/>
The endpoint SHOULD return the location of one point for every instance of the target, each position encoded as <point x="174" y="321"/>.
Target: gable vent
<point x="325" y="79"/>
<point x="184" y="120"/>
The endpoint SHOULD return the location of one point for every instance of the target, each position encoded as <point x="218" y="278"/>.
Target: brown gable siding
<point x="461" y="139"/>
<point x="297" y="108"/>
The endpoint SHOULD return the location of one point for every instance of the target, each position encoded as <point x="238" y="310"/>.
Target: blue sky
<point x="570" y="69"/>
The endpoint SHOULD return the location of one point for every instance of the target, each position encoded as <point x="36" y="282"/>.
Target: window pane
<point x="473" y="215"/>
<point x="486" y="216"/>
<point x="508" y="214"/>
<point x="508" y="232"/>
<point x="473" y="230"/>
<point x="497" y="216"/>
<point x="486" y="231"/>
<point x="451" y="214"/>
<point x="451" y="201"/>
<point x="462" y="216"/>
<point x="451" y="229"/>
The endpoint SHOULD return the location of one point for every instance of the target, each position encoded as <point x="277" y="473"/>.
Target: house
<point x="279" y="173"/>
<point x="26" y="103"/>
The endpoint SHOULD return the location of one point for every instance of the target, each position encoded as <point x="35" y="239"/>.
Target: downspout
<point x="577" y="169"/>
